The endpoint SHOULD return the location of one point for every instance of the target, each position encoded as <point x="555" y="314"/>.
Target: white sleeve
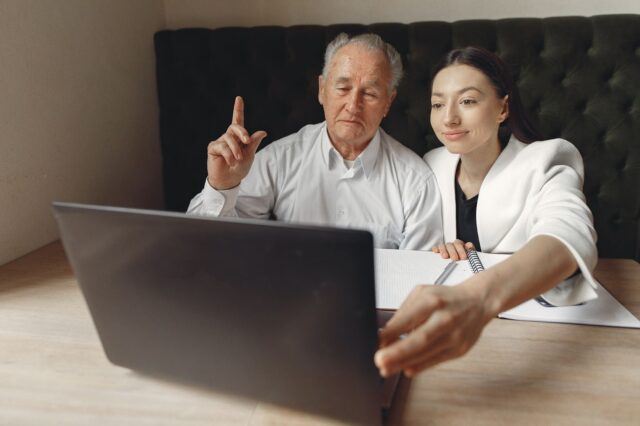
<point x="423" y="213"/>
<point x="560" y="211"/>
<point x="211" y="202"/>
<point x="253" y="198"/>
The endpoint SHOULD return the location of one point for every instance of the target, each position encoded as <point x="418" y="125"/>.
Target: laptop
<point x="275" y="312"/>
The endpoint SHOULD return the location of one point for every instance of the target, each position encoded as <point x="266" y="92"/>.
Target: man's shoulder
<point x="404" y="156"/>
<point x="300" y="140"/>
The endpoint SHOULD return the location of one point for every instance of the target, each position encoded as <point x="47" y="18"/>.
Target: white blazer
<point x="532" y="189"/>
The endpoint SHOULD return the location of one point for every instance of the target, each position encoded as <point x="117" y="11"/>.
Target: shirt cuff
<point x="218" y="202"/>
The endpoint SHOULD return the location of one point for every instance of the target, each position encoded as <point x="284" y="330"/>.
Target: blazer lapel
<point x="493" y="212"/>
<point x="447" y="175"/>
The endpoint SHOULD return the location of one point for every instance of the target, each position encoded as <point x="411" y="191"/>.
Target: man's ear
<point x="504" y="113"/>
<point x="320" y="89"/>
<point x="391" y="99"/>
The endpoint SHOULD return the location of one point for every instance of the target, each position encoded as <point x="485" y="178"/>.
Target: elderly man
<point x="343" y="172"/>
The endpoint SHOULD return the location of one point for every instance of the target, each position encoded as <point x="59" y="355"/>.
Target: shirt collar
<point x="366" y="159"/>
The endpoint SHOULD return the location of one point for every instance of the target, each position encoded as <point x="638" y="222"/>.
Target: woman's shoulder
<point x="441" y="162"/>
<point x="545" y="153"/>
<point x="549" y="146"/>
<point x="437" y="155"/>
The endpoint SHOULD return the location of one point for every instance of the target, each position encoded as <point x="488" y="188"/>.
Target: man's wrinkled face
<point x="356" y="94"/>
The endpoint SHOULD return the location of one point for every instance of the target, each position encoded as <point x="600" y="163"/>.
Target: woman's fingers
<point x="426" y="341"/>
<point x="436" y="357"/>
<point x="456" y="250"/>
<point x="442" y="249"/>
<point x="460" y="249"/>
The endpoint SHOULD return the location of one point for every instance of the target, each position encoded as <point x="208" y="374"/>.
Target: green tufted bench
<point x="579" y="78"/>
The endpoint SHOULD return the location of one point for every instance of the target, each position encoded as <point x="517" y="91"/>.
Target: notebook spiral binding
<point x="474" y="261"/>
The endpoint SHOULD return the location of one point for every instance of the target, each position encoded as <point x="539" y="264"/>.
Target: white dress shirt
<point x="531" y="189"/>
<point x="301" y="178"/>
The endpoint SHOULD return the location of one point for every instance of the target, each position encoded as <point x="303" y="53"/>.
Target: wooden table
<point x="53" y="370"/>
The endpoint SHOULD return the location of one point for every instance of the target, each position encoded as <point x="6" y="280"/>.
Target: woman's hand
<point x="456" y="250"/>
<point x="439" y="323"/>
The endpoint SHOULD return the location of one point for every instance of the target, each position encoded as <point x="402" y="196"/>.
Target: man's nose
<point x="354" y="102"/>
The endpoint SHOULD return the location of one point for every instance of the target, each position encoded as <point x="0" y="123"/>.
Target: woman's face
<point x="465" y="109"/>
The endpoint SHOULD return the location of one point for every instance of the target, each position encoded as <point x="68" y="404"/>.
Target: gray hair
<point x="372" y="42"/>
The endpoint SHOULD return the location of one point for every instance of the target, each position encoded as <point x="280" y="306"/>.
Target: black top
<point x="466" y="227"/>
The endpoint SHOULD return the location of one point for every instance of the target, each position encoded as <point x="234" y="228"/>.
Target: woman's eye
<point x="436" y="106"/>
<point x="468" y="101"/>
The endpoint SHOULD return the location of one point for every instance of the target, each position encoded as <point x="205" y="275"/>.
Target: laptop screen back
<point x="284" y="314"/>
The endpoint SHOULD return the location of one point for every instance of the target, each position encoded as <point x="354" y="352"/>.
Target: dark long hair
<point x="498" y="73"/>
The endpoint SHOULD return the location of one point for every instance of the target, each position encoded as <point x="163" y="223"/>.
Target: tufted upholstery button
<point x="608" y="77"/>
<point x="585" y="109"/>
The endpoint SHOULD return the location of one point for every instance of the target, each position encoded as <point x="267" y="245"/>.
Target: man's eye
<point x="371" y="94"/>
<point x="342" y="89"/>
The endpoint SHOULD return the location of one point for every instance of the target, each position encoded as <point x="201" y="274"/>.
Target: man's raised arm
<point x="229" y="159"/>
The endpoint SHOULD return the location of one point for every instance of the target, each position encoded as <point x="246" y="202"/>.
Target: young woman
<point x="503" y="191"/>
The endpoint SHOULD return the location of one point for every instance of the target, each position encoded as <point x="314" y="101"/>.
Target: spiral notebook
<point x="399" y="271"/>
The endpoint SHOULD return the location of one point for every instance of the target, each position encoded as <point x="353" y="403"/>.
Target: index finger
<point x="410" y="315"/>
<point x="238" y="112"/>
<point x="420" y="344"/>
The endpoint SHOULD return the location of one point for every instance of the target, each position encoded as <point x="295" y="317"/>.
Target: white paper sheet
<point x="605" y="310"/>
<point x="399" y="271"/>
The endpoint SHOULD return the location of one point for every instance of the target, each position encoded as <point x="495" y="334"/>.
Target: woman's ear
<point x="504" y="112"/>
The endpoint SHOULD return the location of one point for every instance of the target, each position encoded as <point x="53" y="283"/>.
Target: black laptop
<point x="271" y="311"/>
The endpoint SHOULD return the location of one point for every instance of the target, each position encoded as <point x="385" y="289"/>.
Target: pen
<point x="445" y="273"/>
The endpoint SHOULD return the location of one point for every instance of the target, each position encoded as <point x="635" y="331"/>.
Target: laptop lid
<point x="275" y="312"/>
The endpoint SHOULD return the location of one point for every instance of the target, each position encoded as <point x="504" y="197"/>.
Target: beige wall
<point x="78" y="111"/>
<point x="218" y="13"/>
